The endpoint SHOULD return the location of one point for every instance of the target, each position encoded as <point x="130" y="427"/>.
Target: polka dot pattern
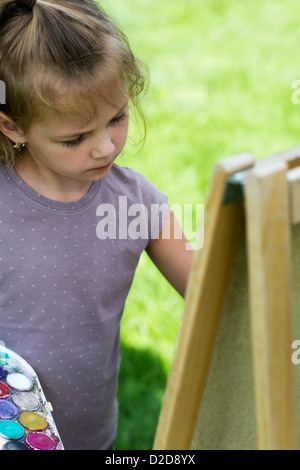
<point x="62" y="294"/>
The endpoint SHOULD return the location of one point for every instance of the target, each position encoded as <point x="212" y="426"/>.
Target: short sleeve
<point x="156" y="203"/>
<point x="145" y="196"/>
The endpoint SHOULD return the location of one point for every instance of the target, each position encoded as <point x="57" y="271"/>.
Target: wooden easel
<point x="263" y="196"/>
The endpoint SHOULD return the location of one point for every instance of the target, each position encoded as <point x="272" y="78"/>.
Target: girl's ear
<point x="10" y="129"/>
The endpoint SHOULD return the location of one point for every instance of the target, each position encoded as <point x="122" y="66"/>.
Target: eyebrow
<point x="80" y="133"/>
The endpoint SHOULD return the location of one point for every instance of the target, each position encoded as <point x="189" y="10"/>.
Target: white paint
<point x="19" y="381"/>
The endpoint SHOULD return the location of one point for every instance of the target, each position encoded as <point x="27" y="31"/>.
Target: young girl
<point x="69" y="246"/>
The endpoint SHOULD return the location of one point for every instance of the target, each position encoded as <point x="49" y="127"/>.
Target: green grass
<point x="221" y="77"/>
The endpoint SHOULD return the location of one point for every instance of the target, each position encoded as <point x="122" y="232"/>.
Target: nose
<point x="103" y="147"/>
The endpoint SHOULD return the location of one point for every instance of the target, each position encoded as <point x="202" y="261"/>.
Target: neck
<point x="49" y="184"/>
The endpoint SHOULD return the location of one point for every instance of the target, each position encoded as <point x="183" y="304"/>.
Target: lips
<point x="103" y="167"/>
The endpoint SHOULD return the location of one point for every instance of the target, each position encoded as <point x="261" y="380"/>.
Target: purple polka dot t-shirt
<point x="65" y="272"/>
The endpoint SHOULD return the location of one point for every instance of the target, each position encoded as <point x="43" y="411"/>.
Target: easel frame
<point x="268" y="202"/>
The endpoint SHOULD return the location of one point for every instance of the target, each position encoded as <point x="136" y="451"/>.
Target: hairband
<point x="29" y="4"/>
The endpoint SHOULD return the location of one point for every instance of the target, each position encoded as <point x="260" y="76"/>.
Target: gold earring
<point x="18" y="146"/>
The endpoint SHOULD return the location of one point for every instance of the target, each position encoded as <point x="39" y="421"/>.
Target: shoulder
<point x="130" y="190"/>
<point x="129" y="182"/>
<point x="6" y="179"/>
<point x="127" y="175"/>
<point x="3" y="171"/>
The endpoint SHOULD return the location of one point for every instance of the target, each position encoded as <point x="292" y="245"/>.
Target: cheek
<point x="62" y="159"/>
<point x="74" y="159"/>
<point x="122" y="136"/>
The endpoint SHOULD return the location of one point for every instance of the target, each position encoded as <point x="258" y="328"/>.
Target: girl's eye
<point x="74" y="143"/>
<point x="119" y="118"/>
<point x="78" y="140"/>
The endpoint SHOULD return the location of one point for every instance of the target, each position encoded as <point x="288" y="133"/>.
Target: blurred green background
<point x="220" y="83"/>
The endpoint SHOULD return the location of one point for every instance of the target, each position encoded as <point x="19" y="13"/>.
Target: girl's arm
<point x="173" y="256"/>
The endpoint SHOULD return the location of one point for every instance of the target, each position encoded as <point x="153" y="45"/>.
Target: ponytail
<point x="62" y="54"/>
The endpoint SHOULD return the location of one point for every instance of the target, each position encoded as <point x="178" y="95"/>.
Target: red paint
<point x="4" y="390"/>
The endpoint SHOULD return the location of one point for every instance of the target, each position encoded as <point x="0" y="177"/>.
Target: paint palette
<point x="26" y="422"/>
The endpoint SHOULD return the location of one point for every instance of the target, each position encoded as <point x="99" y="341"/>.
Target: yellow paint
<point x="32" y="421"/>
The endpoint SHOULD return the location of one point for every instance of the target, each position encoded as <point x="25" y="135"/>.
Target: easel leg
<point x="204" y="301"/>
<point x="269" y="255"/>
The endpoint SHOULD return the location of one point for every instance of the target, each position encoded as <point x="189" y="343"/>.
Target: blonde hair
<point x="62" y="54"/>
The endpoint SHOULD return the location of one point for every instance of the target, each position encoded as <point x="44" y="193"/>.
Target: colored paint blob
<point x="7" y="410"/>
<point x="32" y="421"/>
<point x="19" y="382"/>
<point x="40" y="441"/>
<point x="4" y="391"/>
<point x="14" y="445"/>
<point x="26" y="401"/>
<point x="11" y="429"/>
<point x="2" y="372"/>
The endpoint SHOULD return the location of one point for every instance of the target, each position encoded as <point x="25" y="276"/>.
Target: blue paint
<point x="11" y="429"/>
<point x="2" y="372"/>
<point x="7" y="410"/>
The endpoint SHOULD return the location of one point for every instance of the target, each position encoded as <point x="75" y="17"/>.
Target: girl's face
<point x="62" y="145"/>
